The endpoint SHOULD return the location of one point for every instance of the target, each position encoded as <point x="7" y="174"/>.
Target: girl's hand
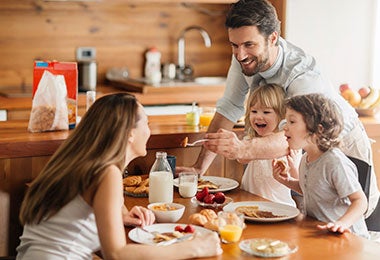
<point x="138" y="216"/>
<point x="337" y="227"/>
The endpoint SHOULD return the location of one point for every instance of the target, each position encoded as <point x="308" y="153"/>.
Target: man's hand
<point x="225" y="143"/>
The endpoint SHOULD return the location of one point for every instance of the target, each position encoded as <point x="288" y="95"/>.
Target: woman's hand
<point x="206" y="245"/>
<point x="337" y="227"/>
<point x="138" y="216"/>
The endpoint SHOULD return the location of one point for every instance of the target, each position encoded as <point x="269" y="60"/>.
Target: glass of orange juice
<point x="231" y="225"/>
<point x="206" y="115"/>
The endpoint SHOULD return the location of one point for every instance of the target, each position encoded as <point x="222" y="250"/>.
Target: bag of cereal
<point x="49" y="108"/>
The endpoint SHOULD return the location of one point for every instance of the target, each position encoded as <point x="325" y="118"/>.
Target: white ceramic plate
<point x="225" y="184"/>
<point x="139" y="236"/>
<point x="213" y="205"/>
<point x="245" y="245"/>
<point x="286" y="212"/>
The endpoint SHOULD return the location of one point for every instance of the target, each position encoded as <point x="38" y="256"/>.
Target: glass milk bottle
<point x="161" y="180"/>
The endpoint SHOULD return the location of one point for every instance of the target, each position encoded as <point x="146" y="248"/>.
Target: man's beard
<point x="258" y="68"/>
<point x="259" y="64"/>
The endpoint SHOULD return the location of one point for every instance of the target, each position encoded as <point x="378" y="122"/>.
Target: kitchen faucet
<point x="183" y="71"/>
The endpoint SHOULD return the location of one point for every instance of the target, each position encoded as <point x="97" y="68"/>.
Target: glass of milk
<point x="188" y="184"/>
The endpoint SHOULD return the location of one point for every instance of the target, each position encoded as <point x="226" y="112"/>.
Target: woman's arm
<point x="108" y="205"/>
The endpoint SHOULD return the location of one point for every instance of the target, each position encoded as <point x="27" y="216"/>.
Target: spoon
<point x="185" y="143"/>
<point x="196" y="142"/>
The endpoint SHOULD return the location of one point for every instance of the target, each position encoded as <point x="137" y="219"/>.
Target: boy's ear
<point x="320" y="128"/>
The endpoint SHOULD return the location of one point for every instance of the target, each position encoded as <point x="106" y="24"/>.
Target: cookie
<point x="132" y="181"/>
<point x="139" y="190"/>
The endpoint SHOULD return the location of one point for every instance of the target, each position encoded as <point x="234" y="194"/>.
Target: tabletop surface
<point x="312" y="243"/>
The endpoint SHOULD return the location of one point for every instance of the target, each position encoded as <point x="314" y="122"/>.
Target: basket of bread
<point x="136" y="186"/>
<point x="366" y="100"/>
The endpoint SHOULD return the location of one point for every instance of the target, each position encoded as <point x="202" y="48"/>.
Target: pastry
<point x="202" y="183"/>
<point x="283" y="166"/>
<point x="184" y="142"/>
<point x="145" y="182"/>
<point x="139" y="190"/>
<point x="212" y="224"/>
<point x="197" y="219"/>
<point x="132" y="181"/>
<point x="270" y="246"/>
<point x="129" y="189"/>
<point x="254" y="212"/>
<point x="209" y="214"/>
<point x="249" y="211"/>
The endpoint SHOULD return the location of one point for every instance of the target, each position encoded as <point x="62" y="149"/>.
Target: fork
<point x="196" y="142"/>
<point x="175" y="240"/>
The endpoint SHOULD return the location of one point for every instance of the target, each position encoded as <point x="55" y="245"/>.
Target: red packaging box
<point x="70" y="71"/>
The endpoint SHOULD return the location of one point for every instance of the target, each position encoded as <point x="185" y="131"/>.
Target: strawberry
<point x="219" y="197"/>
<point x="189" y="229"/>
<point x="202" y="194"/>
<point x="179" y="228"/>
<point x="209" y="199"/>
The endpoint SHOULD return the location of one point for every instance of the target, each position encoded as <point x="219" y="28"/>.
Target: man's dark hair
<point x="259" y="13"/>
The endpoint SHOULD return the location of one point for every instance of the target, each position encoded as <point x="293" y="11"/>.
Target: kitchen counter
<point x="18" y="105"/>
<point x="166" y="132"/>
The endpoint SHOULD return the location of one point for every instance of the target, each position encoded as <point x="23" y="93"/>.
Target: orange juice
<point x="230" y="233"/>
<point x="205" y="119"/>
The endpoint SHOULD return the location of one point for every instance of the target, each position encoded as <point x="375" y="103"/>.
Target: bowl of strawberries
<point x="207" y="199"/>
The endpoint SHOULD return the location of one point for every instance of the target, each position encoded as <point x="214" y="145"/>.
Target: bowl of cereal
<point x="167" y="212"/>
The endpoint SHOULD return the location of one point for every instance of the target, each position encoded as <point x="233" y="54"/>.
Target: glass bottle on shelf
<point x="161" y="180"/>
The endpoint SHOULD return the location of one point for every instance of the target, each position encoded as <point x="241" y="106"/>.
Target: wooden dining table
<point x="300" y="231"/>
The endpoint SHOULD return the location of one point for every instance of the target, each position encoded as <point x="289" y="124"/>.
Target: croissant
<point x="197" y="219"/>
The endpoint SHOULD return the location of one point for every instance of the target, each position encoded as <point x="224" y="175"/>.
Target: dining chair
<point x="364" y="175"/>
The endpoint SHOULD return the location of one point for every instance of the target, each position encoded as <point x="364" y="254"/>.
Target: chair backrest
<point x="364" y="174"/>
<point x="364" y="170"/>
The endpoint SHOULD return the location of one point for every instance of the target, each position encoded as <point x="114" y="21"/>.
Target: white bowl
<point x="170" y="212"/>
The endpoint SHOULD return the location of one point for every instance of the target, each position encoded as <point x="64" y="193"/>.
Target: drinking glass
<point x="206" y="115"/>
<point x="188" y="184"/>
<point x="231" y="225"/>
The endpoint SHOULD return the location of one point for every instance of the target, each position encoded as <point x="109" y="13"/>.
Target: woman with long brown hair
<point x="76" y="206"/>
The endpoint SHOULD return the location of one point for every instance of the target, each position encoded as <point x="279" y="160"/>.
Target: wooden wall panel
<point x="121" y="32"/>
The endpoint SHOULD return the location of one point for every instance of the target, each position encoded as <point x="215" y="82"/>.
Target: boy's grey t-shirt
<point x="326" y="184"/>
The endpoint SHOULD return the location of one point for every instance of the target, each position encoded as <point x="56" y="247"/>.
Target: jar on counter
<point x="161" y="180"/>
<point x="152" y="70"/>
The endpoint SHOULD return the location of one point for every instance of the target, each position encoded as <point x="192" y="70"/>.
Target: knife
<point x="175" y="240"/>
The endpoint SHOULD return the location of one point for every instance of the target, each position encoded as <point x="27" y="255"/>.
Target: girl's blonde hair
<point x="98" y="141"/>
<point x="270" y="96"/>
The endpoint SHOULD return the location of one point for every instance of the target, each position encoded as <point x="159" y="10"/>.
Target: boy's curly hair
<point x="322" y="117"/>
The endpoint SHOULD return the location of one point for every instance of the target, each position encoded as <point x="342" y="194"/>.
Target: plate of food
<point x="211" y="205"/>
<point x="163" y="232"/>
<point x="214" y="183"/>
<point x="263" y="211"/>
<point x="136" y="186"/>
<point x="267" y="247"/>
